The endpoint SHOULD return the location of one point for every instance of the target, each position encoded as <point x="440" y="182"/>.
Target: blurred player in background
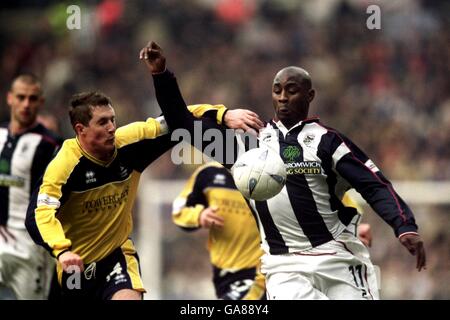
<point x="362" y="230"/>
<point x="210" y="200"/>
<point x="26" y="147"/>
<point x="307" y="253"/>
<point x="49" y="121"/>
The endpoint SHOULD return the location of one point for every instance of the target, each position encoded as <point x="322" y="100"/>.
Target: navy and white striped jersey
<point x="321" y="165"/>
<point x="23" y="159"/>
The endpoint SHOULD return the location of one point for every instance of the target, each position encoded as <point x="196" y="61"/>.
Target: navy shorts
<point x="101" y="279"/>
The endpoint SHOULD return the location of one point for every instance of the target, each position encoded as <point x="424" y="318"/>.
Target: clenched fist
<point x="153" y="57"/>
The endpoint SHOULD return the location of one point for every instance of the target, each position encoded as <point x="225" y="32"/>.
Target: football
<point x="259" y="174"/>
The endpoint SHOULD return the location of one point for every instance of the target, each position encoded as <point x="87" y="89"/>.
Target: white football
<point x="259" y="174"/>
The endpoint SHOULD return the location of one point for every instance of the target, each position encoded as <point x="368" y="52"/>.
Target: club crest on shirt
<point x="24" y="148"/>
<point x="219" y="179"/>
<point x="308" y="139"/>
<point x="90" y="177"/>
<point x="291" y="153"/>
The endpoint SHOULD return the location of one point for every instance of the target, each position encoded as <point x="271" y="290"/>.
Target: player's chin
<point x="284" y="116"/>
<point x="26" y="121"/>
<point x="109" y="146"/>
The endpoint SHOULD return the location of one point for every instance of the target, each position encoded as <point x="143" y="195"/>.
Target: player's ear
<point x="9" y="98"/>
<point x="311" y="94"/>
<point x="79" y="128"/>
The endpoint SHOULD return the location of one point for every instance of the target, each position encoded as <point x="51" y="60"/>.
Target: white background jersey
<point x="23" y="159"/>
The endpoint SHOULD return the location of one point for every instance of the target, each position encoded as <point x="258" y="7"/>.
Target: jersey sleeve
<point x="363" y="175"/>
<point x="215" y="112"/>
<point x="189" y="204"/>
<point x="41" y="221"/>
<point x="141" y="130"/>
<point x="178" y="116"/>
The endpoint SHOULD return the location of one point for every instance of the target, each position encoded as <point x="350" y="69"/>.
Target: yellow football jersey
<point x="84" y="204"/>
<point x="237" y="244"/>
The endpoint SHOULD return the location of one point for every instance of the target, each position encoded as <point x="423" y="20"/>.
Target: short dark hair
<point x="28" y="78"/>
<point x="81" y="106"/>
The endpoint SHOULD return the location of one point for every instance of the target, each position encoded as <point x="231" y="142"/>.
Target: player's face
<point x="99" y="135"/>
<point x="25" y="100"/>
<point x="290" y="98"/>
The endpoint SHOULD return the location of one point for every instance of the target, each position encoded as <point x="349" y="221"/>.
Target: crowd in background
<point x="387" y="89"/>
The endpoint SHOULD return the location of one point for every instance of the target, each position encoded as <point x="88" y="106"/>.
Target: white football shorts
<point x="339" y="269"/>
<point x="25" y="267"/>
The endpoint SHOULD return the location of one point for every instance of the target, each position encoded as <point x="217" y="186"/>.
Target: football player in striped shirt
<point x="26" y="148"/>
<point x="307" y="253"/>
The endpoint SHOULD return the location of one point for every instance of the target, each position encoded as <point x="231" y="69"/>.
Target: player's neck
<point x="15" y="128"/>
<point x="102" y="156"/>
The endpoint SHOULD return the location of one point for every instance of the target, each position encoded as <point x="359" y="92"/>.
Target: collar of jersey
<point x="33" y="129"/>
<point x="94" y="159"/>
<point x="285" y="130"/>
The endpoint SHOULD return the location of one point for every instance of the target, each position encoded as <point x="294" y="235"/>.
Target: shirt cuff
<point x="221" y="115"/>
<point x="406" y="229"/>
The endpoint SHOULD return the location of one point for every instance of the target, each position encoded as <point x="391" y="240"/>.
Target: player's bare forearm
<point x="243" y="119"/>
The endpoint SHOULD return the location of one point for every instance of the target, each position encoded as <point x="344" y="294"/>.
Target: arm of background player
<point x="191" y="209"/>
<point x="187" y="216"/>
<point x="212" y="111"/>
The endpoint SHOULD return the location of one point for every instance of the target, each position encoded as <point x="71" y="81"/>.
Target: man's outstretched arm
<point x="178" y="116"/>
<point x="171" y="100"/>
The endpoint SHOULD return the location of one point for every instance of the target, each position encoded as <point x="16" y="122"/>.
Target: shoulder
<point x="326" y="132"/>
<point x="331" y="130"/>
<point x="210" y="168"/>
<point x="206" y="174"/>
<point x="66" y="159"/>
<point x="48" y="136"/>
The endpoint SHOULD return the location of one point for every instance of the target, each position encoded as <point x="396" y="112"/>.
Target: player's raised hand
<point x="209" y="218"/>
<point x="243" y="119"/>
<point x="153" y="57"/>
<point x="413" y="242"/>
